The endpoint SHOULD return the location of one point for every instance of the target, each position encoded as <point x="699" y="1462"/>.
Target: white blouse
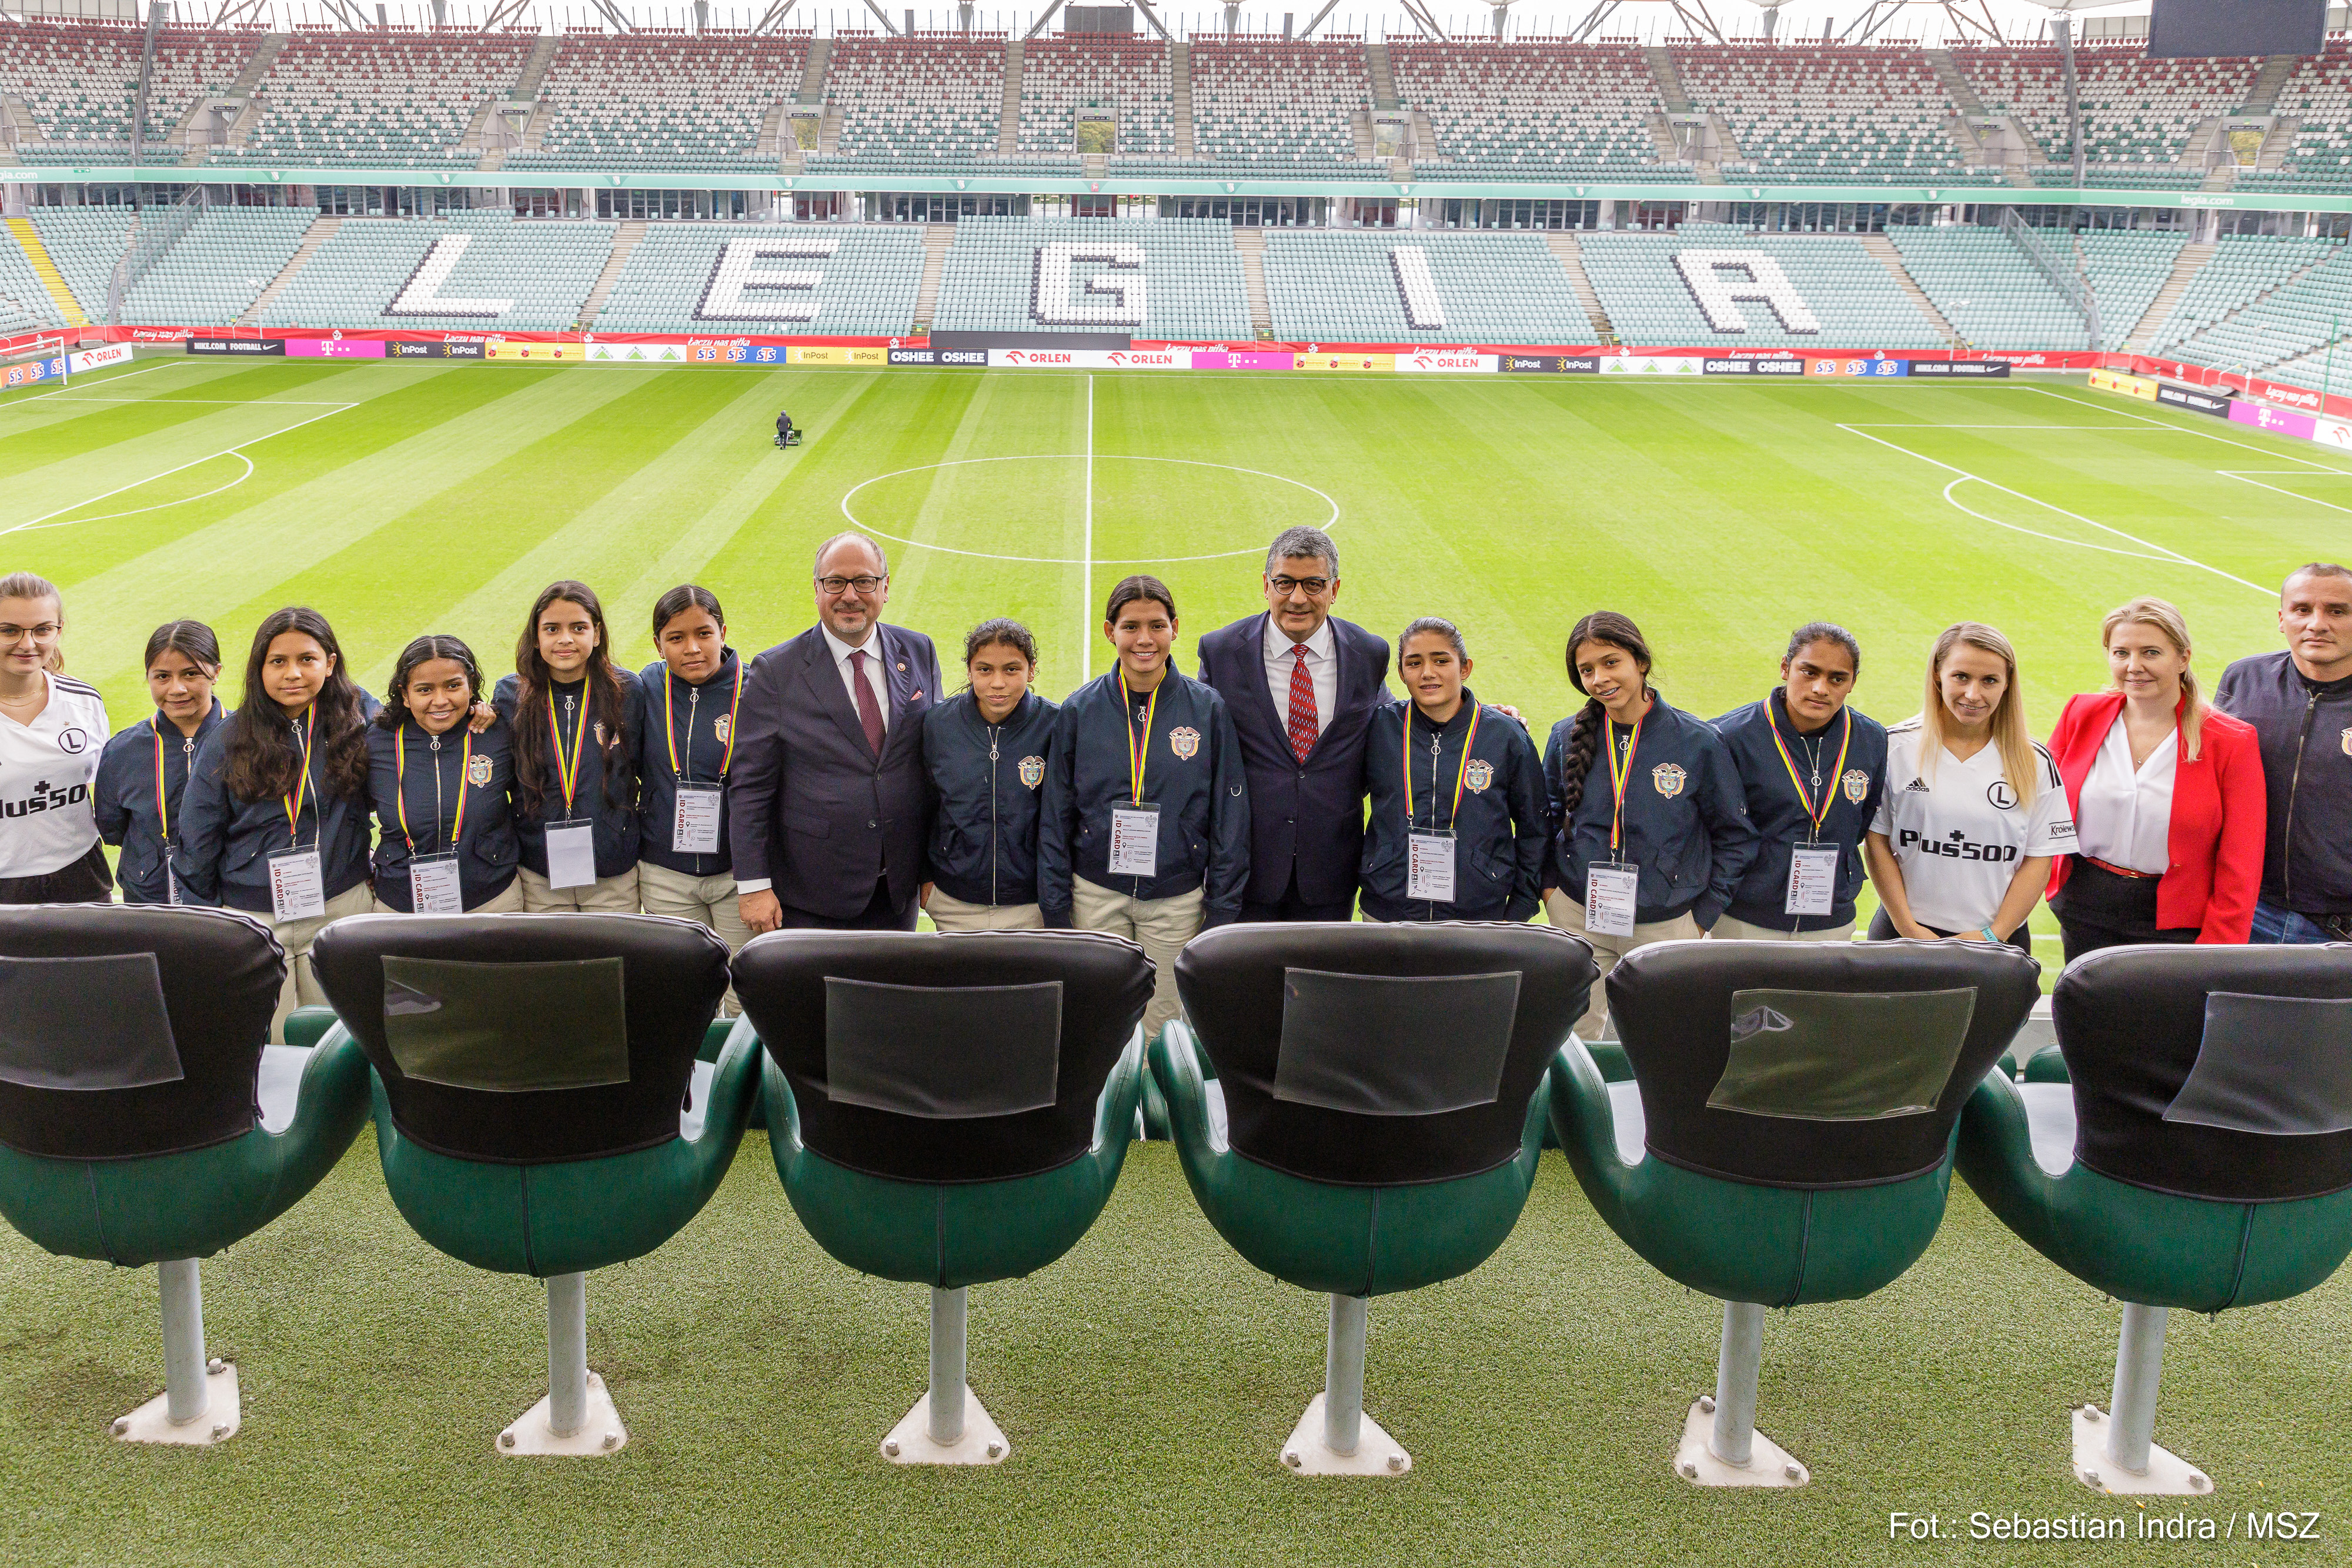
<point x="2124" y="814"/>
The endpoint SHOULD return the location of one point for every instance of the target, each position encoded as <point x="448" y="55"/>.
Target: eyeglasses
<point x="41" y="633"/>
<point x="843" y="584"/>
<point x="1314" y="587"/>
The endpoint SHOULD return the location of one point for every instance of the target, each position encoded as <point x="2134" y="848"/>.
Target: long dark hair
<point x="261" y="763"/>
<point x="532" y="678"/>
<point x="1592" y="719"/>
<point x="191" y="638"/>
<point x="423" y="650"/>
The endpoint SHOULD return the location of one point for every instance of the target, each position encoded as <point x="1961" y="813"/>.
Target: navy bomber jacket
<point x="701" y="726"/>
<point x="605" y="798"/>
<point x="1192" y="770"/>
<point x="1502" y="830"/>
<point x="477" y="769"/>
<point x="221" y="850"/>
<point x="1778" y="817"/>
<point x="988" y="783"/>
<point x="1685" y="827"/>
<point x="124" y="800"/>
<point x="2305" y="728"/>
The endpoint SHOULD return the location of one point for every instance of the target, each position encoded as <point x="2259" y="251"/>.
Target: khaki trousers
<point x="1162" y="925"/>
<point x="1730" y="930"/>
<point x="605" y="895"/>
<point x="707" y="901"/>
<point x="950" y="912"/>
<point x="508" y="900"/>
<point x="301" y="986"/>
<point x="1568" y="915"/>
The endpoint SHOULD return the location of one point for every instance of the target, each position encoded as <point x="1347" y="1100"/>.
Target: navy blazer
<point x="124" y="800"/>
<point x="1309" y="814"/>
<point x="810" y="810"/>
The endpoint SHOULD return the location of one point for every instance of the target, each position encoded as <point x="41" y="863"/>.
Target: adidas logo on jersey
<point x="1917" y="787"/>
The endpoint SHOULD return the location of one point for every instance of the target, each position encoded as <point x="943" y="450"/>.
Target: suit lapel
<point x="824" y="680"/>
<point x="1261" y="694"/>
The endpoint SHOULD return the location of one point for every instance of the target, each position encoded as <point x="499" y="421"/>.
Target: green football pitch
<point x="1147" y="1380"/>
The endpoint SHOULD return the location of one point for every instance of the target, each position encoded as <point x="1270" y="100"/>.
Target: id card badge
<point x="433" y="887"/>
<point x="1610" y="894"/>
<point x="1135" y="841"/>
<point x="1429" y="867"/>
<point x="1812" y="879"/>
<point x="694" y="831"/>
<point x="297" y="886"/>
<point x="571" y="854"/>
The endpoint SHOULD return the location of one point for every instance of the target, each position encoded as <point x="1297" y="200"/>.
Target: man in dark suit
<point x="827" y="801"/>
<point x="1302" y="686"/>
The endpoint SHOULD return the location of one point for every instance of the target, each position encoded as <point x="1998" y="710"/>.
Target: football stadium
<point x="1767" y="973"/>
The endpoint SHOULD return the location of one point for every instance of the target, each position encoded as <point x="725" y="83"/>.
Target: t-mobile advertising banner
<point x="335" y="349"/>
<point x="2263" y="416"/>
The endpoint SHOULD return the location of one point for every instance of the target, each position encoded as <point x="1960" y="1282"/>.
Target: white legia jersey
<point x="1960" y="834"/>
<point x="47" y="768"/>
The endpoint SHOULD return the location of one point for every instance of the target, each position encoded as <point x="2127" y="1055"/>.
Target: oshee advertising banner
<point x="977" y="357"/>
<point x="1752" y="367"/>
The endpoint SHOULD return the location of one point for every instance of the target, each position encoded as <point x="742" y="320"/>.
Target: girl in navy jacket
<point x="143" y="774"/>
<point x="986" y="751"/>
<point x="1457" y="796"/>
<point x="575" y="719"/>
<point x="274" y="820"/>
<point x="1146" y="771"/>
<point x="693" y="697"/>
<point x="444" y="825"/>
<point x="1651" y="818"/>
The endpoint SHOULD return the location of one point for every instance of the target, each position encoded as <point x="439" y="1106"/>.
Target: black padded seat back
<point x="1382" y="1055"/>
<point x="130" y="1030"/>
<point x="2212" y="1072"/>
<point x="1812" y="1065"/>
<point x="527" y="1039"/>
<point x="928" y="1057"/>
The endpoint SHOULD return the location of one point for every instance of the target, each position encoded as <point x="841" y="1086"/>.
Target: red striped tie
<point x="1303" y="729"/>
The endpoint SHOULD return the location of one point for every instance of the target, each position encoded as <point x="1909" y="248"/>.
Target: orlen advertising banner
<point x="1447" y="361"/>
<point x="1089" y="359"/>
<point x="2125" y="385"/>
<point x="2262" y="416"/>
<point x="91" y="358"/>
<point x="2333" y="433"/>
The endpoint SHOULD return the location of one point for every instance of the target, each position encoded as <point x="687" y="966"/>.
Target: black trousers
<point x="85" y="880"/>
<point x="1882" y="929"/>
<point x="1290" y="906"/>
<point x="879" y="915"/>
<point x="2098" y="909"/>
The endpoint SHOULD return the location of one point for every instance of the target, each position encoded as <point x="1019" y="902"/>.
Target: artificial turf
<point x="1147" y="1382"/>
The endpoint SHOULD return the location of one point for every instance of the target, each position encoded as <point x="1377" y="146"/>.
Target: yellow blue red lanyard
<point x="400" y="790"/>
<point x="1463" y="772"/>
<point x="567" y="774"/>
<point x="669" y="723"/>
<point x="293" y="803"/>
<point x="1620" y="774"/>
<point x="1815" y="814"/>
<point x="1139" y="747"/>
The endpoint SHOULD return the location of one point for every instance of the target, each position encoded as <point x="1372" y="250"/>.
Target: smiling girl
<point x="686" y="753"/>
<point x="986" y="750"/>
<point x="144" y="774"/>
<point x="575" y="717"/>
<point x="445" y="839"/>
<point x="52" y="732"/>
<point x="275" y="818"/>
<point x="1973" y="808"/>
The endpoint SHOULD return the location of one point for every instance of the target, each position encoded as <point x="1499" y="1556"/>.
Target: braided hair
<point x="1584" y="737"/>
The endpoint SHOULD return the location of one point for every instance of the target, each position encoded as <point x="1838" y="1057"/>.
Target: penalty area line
<point x="2148" y="550"/>
<point x="44" y="521"/>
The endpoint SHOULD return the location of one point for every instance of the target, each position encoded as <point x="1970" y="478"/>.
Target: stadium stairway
<point x="1892" y="260"/>
<point x="45" y="269"/>
<point x="624" y="240"/>
<point x="320" y="231"/>
<point x="1179" y="96"/>
<point x="937" y="237"/>
<point x="1008" y="122"/>
<point x="2263" y="97"/>
<point x="2160" y="310"/>
<point x="1571" y="260"/>
<point x="1251" y="244"/>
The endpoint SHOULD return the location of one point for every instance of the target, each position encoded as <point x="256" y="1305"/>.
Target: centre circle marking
<point x="1328" y="524"/>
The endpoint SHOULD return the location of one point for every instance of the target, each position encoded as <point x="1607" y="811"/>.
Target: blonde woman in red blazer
<point x="2167" y="799"/>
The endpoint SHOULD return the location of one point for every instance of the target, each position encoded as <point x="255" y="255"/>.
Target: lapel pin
<point x="902" y="666"/>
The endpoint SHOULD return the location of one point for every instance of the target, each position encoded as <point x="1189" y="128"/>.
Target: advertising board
<point x="1447" y="361"/>
<point x="1858" y="369"/>
<point x="1653" y="365"/>
<point x="2172" y="394"/>
<point x="2123" y="384"/>
<point x="2279" y="421"/>
<point x="237" y="347"/>
<point x="1996" y="369"/>
<point x="940" y="356"/>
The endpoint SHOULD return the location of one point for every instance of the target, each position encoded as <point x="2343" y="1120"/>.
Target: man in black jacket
<point x="828" y="806"/>
<point x="1302" y="686"/>
<point x="2300" y="704"/>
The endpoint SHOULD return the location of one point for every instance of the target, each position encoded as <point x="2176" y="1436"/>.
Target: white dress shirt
<point x="2124" y="814"/>
<point x="875" y="680"/>
<point x="1322" y="669"/>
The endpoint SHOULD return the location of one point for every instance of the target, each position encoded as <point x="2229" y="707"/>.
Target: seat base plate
<point x="2168" y="1474"/>
<point x="1377" y="1453"/>
<point x="982" y="1443"/>
<point x="600" y="1433"/>
<point x="1769" y="1464"/>
<point x="223" y="1412"/>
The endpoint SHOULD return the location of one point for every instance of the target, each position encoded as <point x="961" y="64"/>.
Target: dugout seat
<point x="1375" y="1119"/>
<point x="1787" y="1137"/>
<point x="144" y="1120"/>
<point x="2201" y="1157"/>
<point x="539" y="1104"/>
<point x="949" y="1110"/>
